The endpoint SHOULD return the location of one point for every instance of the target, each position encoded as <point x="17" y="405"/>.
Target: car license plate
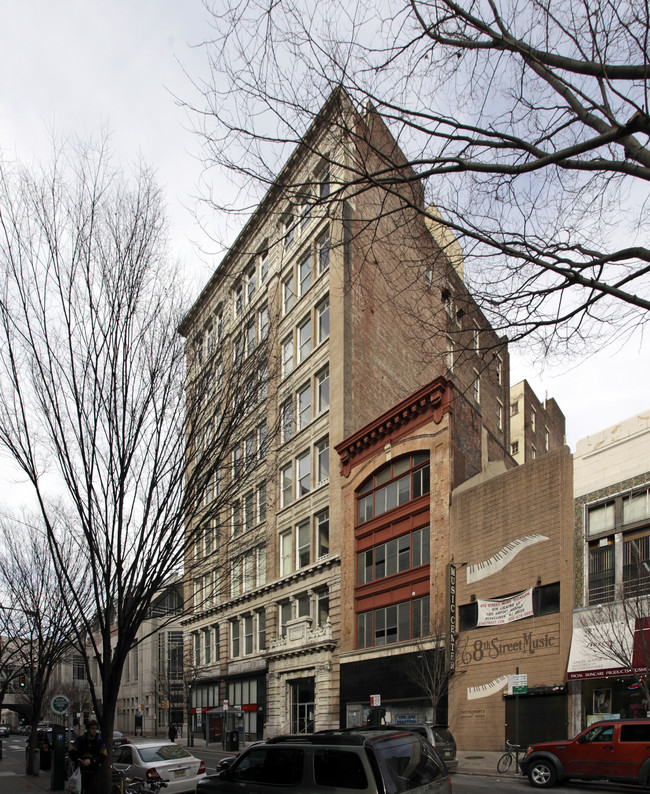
<point x="179" y="773"/>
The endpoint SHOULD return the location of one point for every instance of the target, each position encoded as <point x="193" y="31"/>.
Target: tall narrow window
<point x="287" y="420"/>
<point x="261" y="567"/>
<point x="287" y="356"/>
<point x="285" y="616"/>
<point x="261" y="503"/>
<point x="304" y="274"/>
<point x="304" y="339"/>
<point x="249" y="571"/>
<point x="324" y="183"/>
<point x="322" y="607"/>
<point x="264" y="266"/>
<point x="235" y="578"/>
<point x="286" y="477"/>
<point x="261" y="630"/>
<point x="288" y="295"/>
<point x="323" y="385"/>
<point x="248" y="634"/>
<point x="262" y="441"/>
<point x="304" y="406"/>
<point x="323" y="253"/>
<point x="249" y="515"/>
<point x="285" y="553"/>
<point x="251" y="284"/>
<point x="263" y="322"/>
<point x="323" y="461"/>
<point x="476" y="388"/>
<point x="303" y="544"/>
<point x="289" y="228"/>
<point x="303" y="470"/>
<point x="323" y="320"/>
<point x="305" y="213"/>
<point x="234" y="638"/>
<point x="323" y="533"/>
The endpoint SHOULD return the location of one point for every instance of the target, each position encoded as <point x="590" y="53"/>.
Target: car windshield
<point x="163" y="752"/>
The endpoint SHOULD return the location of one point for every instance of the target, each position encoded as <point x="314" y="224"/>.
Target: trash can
<point x="46" y="752"/>
<point x="34" y="769"/>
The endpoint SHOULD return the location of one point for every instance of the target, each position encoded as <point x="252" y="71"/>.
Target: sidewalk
<point x="482" y="762"/>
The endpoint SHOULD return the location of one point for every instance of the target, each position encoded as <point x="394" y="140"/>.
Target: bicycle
<point x="505" y="762"/>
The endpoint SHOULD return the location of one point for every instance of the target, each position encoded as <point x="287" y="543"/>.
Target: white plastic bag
<point x="73" y="783"/>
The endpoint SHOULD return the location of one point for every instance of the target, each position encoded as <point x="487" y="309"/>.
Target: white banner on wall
<point x="498" y="611"/>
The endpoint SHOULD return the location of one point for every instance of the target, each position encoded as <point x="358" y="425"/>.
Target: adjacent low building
<point x="610" y="656"/>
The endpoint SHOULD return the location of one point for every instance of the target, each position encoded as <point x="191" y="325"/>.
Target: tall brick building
<point x="360" y="303"/>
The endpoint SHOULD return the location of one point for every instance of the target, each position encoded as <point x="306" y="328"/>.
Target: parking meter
<point x="59" y="749"/>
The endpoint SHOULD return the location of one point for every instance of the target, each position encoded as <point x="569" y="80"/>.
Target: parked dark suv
<point x="616" y="750"/>
<point x="375" y="762"/>
<point x="438" y="735"/>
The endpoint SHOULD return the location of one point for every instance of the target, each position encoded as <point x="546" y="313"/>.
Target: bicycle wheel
<point x="503" y="764"/>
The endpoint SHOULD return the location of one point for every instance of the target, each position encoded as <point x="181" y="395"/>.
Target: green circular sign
<point x="60" y="704"/>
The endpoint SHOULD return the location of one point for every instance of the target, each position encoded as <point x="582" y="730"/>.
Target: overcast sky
<point x="77" y="66"/>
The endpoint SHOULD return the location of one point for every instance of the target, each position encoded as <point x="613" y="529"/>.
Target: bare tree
<point x="618" y="630"/>
<point x="429" y="666"/>
<point x="526" y="120"/>
<point x="39" y="621"/>
<point x="96" y="409"/>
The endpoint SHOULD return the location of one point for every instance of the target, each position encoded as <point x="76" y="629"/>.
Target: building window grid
<point x="394" y="623"/>
<point x="395" y="484"/>
<point x="625" y="519"/>
<point x="397" y="555"/>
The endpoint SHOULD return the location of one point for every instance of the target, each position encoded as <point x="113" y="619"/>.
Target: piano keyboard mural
<point x="496" y="563"/>
<point x="485" y="690"/>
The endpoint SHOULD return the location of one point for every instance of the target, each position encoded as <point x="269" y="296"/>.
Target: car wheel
<point x="542" y="774"/>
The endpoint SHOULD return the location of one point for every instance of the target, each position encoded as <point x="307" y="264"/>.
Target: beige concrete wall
<point x="534" y="499"/>
<point x="614" y="454"/>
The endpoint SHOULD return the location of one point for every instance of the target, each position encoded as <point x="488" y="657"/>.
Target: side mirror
<point x="582" y="739"/>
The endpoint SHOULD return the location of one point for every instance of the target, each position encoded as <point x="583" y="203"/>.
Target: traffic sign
<point x="60" y="704"/>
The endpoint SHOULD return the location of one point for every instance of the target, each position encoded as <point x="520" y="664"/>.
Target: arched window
<point x="394" y="484"/>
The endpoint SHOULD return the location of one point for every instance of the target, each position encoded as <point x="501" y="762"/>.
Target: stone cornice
<point x="239" y="603"/>
<point x="428" y="403"/>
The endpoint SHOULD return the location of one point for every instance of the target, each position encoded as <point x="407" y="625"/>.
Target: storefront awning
<point x="587" y="660"/>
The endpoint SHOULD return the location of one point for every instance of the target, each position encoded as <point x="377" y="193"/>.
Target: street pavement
<point x="13" y="779"/>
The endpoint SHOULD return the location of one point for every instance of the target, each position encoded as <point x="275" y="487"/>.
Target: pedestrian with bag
<point x="88" y="754"/>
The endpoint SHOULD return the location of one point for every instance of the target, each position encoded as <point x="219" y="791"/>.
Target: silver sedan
<point x="155" y="760"/>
